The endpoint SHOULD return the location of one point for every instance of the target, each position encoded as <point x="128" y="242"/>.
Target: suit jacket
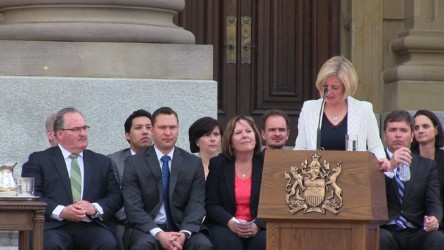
<point x="439" y="161"/>
<point x="142" y="190"/>
<point x="421" y="197"/>
<point x="221" y="199"/>
<point x="118" y="159"/>
<point x="53" y="186"/>
<point x="361" y="121"/>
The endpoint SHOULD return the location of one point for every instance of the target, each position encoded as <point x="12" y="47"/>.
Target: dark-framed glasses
<point x="77" y="129"/>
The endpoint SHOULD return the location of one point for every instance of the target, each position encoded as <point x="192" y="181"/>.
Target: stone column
<point x="105" y="57"/>
<point x="361" y="41"/>
<point x="415" y="76"/>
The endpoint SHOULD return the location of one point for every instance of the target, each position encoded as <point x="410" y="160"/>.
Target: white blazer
<point x="361" y="121"/>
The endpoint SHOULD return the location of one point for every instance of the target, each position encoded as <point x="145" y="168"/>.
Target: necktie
<point x="401" y="222"/>
<point x="166" y="190"/>
<point x="76" y="179"/>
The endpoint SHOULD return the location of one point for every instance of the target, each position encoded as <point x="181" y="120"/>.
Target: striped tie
<point x="401" y="222"/>
<point x="76" y="179"/>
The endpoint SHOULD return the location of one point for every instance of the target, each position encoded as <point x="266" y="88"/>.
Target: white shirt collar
<point x="66" y="153"/>
<point x="160" y="154"/>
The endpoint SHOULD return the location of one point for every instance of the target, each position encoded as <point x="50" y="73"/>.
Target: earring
<point x="198" y="145"/>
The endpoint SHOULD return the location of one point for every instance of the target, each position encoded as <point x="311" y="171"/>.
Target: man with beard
<point x="275" y="132"/>
<point x="138" y="133"/>
<point x="78" y="186"/>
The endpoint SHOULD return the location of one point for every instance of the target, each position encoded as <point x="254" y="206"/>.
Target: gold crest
<point x="312" y="187"/>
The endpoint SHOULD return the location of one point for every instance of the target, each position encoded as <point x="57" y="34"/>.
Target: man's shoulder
<point x="89" y="154"/>
<point x="43" y="153"/>
<point x="182" y="152"/>
<point x="119" y="154"/>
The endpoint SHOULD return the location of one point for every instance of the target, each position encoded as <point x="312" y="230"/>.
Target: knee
<point x="140" y="241"/>
<point x="386" y="239"/>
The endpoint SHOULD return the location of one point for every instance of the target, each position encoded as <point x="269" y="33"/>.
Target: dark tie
<point x="166" y="187"/>
<point x="401" y="222"/>
<point x="76" y="179"/>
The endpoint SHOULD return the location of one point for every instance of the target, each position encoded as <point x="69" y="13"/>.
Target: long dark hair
<point x="439" y="139"/>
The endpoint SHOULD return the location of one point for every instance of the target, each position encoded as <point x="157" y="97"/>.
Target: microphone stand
<point x="318" y="139"/>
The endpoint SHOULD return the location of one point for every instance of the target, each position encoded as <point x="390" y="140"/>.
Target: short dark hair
<point x="165" y="111"/>
<point x="199" y="128"/>
<point x="138" y="113"/>
<point x="274" y="112"/>
<point x="227" y="148"/>
<point x="59" y="122"/>
<point x="399" y="116"/>
<point x="439" y="138"/>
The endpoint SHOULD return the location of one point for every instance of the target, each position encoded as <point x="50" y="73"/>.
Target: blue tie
<point x="166" y="187"/>
<point x="401" y="222"/>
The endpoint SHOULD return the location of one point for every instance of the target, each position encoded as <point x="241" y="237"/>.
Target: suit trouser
<point x="411" y="238"/>
<point x="135" y="239"/>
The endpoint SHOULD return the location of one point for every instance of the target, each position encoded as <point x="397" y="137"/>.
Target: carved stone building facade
<point x="111" y="57"/>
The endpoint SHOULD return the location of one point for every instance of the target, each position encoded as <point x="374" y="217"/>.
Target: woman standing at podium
<point x="233" y="186"/>
<point x="336" y="82"/>
<point x="427" y="142"/>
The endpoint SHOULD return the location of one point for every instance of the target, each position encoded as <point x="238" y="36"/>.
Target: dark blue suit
<point x="52" y="185"/>
<point x="421" y="197"/>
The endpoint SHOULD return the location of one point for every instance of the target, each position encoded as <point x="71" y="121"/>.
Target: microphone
<point x="318" y="139"/>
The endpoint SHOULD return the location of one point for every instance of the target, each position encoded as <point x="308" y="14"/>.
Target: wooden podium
<point x="325" y="209"/>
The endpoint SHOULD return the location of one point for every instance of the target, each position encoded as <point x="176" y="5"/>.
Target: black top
<point x="333" y="137"/>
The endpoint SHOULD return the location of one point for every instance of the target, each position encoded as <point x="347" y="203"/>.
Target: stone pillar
<point x="361" y="41"/>
<point x="145" y="21"/>
<point x="415" y="76"/>
<point x="105" y="57"/>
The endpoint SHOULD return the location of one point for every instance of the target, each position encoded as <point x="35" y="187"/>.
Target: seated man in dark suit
<point x="414" y="206"/>
<point x="164" y="192"/>
<point x="78" y="186"/>
<point x="139" y="135"/>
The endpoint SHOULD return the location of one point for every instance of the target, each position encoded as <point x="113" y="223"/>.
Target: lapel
<point x="256" y="173"/>
<point x="176" y="168"/>
<point x="88" y="167"/>
<point x="414" y="171"/>
<point x="394" y="186"/>
<point x="353" y="113"/>
<point x="153" y="166"/>
<point x="61" y="169"/>
<point x="229" y="174"/>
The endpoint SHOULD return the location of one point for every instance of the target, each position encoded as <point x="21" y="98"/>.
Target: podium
<point x="322" y="200"/>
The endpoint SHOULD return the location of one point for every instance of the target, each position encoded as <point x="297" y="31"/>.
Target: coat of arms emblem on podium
<point x="312" y="186"/>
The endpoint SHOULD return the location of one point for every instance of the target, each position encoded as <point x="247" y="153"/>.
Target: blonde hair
<point x="342" y="68"/>
<point x="227" y="146"/>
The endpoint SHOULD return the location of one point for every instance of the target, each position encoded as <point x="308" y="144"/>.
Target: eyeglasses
<point x="77" y="129"/>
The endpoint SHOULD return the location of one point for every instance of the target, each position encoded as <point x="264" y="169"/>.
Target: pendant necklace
<point x="335" y="117"/>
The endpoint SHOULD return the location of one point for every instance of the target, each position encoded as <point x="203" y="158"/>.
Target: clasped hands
<point x="171" y="240"/>
<point x="78" y="211"/>
<point x="430" y="223"/>
<point x="243" y="228"/>
<point x="400" y="156"/>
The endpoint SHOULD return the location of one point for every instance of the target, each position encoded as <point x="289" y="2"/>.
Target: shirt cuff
<point x="390" y="174"/>
<point x="99" y="210"/>
<point x="155" y="230"/>
<point x="188" y="233"/>
<point x="56" y="212"/>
